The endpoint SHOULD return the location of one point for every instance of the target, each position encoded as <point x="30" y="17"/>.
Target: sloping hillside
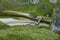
<point x="27" y="32"/>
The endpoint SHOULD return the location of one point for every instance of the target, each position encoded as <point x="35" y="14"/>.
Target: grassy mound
<point x="28" y="33"/>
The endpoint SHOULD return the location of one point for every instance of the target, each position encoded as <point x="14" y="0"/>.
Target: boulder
<point x="53" y="1"/>
<point x="44" y="6"/>
<point x="55" y="26"/>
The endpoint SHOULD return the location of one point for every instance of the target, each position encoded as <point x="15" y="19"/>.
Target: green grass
<point x="3" y="26"/>
<point x="28" y="33"/>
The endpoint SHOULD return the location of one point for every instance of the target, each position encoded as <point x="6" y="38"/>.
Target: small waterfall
<point x="13" y="22"/>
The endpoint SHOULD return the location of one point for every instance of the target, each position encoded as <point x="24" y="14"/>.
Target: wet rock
<point x="33" y="16"/>
<point x="55" y="26"/>
<point x="44" y="6"/>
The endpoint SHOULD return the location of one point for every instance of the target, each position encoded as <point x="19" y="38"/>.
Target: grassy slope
<point x="26" y="32"/>
<point x="34" y="9"/>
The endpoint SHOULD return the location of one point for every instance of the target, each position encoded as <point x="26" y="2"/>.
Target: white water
<point x="12" y="21"/>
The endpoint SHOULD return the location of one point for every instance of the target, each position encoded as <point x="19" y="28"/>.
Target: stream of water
<point x="12" y="21"/>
